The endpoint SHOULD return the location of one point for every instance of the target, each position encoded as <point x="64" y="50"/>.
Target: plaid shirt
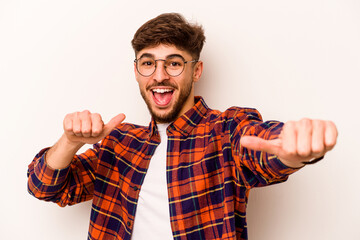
<point x="209" y="174"/>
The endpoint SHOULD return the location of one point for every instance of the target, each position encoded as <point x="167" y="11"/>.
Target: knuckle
<point x="330" y="123"/>
<point x="289" y="151"/>
<point x="318" y="149"/>
<point x="318" y="123"/>
<point x="68" y="116"/>
<point x="76" y="131"/>
<point x="68" y="128"/>
<point x="303" y="152"/>
<point x="306" y="123"/>
<point x="97" y="115"/>
<point x="330" y="143"/>
<point x="75" y="116"/>
<point x="289" y="124"/>
<point x="96" y="131"/>
<point x="317" y="153"/>
<point x="86" y="131"/>
<point x="305" y="120"/>
<point x="288" y="127"/>
<point x="86" y="112"/>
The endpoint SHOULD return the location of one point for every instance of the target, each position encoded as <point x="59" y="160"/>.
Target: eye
<point x="174" y="63"/>
<point x="146" y="62"/>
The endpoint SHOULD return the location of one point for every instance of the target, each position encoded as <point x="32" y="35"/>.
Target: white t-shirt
<point x="152" y="218"/>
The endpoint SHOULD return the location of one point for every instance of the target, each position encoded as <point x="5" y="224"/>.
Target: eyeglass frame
<point x="156" y="60"/>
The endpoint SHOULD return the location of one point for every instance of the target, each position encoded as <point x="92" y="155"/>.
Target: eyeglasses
<point x="174" y="65"/>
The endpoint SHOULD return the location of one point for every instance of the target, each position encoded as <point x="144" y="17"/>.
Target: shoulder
<point x="234" y="114"/>
<point x="233" y="119"/>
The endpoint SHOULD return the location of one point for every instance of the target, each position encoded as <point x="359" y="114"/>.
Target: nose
<point x="160" y="74"/>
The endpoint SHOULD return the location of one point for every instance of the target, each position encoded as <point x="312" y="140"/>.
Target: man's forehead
<point x="163" y="51"/>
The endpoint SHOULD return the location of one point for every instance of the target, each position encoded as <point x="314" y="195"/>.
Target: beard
<point x="176" y="108"/>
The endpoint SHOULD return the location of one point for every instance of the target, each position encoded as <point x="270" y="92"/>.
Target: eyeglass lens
<point x="173" y="66"/>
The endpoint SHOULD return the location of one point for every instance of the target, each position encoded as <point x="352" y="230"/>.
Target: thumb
<point x="259" y="144"/>
<point x="114" y="122"/>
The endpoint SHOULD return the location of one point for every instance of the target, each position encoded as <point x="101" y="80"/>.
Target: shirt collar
<point x="186" y="122"/>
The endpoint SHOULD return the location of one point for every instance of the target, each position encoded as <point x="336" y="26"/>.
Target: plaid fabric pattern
<point x="209" y="174"/>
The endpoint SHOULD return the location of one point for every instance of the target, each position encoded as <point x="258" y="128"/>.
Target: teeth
<point x="161" y="90"/>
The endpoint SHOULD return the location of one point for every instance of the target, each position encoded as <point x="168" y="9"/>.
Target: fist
<point x="299" y="141"/>
<point x="86" y="127"/>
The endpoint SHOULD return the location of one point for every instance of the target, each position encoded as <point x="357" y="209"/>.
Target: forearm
<point x="64" y="185"/>
<point x="44" y="182"/>
<point x="61" y="154"/>
<point x="266" y="168"/>
<point x="58" y="174"/>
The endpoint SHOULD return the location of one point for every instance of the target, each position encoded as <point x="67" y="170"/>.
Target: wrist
<point x="73" y="146"/>
<point x="292" y="164"/>
<point x="61" y="154"/>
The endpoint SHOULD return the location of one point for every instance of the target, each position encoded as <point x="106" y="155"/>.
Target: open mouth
<point x="162" y="96"/>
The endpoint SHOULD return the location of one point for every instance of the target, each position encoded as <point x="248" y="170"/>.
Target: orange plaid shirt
<point x="209" y="174"/>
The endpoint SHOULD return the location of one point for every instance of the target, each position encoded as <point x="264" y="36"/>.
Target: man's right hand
<point x="79" y="128"/>
<point x="85" y="127"/>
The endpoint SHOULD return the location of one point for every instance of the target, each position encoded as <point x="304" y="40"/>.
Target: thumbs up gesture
<point x="86" y="127"/>
<point x="79" y="128"/>
<point x="299" y="142"/>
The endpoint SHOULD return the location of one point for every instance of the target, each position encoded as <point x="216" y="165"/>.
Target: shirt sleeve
<point x="256" y="168"/>
<point x="67" y="186"/>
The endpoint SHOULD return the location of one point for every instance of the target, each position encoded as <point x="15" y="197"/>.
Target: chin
<point x="166" y="117"/>
<point x="171" y="111"/>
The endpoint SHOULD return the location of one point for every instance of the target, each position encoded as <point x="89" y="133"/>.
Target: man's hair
<point x="170" y="29"/>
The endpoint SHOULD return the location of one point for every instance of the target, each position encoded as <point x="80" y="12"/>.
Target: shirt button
<point x="135" y="188"/>
<point x="129" y="223"/>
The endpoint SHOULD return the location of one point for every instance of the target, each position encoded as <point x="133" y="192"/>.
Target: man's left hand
<point x="299" y="141"/>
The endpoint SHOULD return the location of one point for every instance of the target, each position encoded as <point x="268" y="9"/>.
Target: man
<point x="188" y="174"/>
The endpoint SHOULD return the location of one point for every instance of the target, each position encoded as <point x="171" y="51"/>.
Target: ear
<point x="198" y="69"/>
<point x="136" y="72"/>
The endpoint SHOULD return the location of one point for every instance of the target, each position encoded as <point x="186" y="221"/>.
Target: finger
<point x="289" y="139"/>
<point x="85" y="118"/>
<point x="259" y="144"/>
<point x="304" y="137"/>
<point x="68" y="124"/>
<point x="76" y="123"/>
<point x="331" y="134"/>
<point x="317" y="141"/>
<point x="97" y="124"/>
<point x="115" y="121"/>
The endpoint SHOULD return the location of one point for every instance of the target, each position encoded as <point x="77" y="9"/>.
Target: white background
<point x="289" y="59"/>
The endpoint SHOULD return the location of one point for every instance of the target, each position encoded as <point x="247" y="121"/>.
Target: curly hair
<point x="170" y="29"/>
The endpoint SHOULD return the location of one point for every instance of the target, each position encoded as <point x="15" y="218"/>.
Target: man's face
<point x="168" y="97"/>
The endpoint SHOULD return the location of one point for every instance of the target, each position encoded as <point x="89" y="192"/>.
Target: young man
<point x="188" y="174"/>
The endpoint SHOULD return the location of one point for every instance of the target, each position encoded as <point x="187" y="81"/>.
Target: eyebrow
<point x="167" y="57"/>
